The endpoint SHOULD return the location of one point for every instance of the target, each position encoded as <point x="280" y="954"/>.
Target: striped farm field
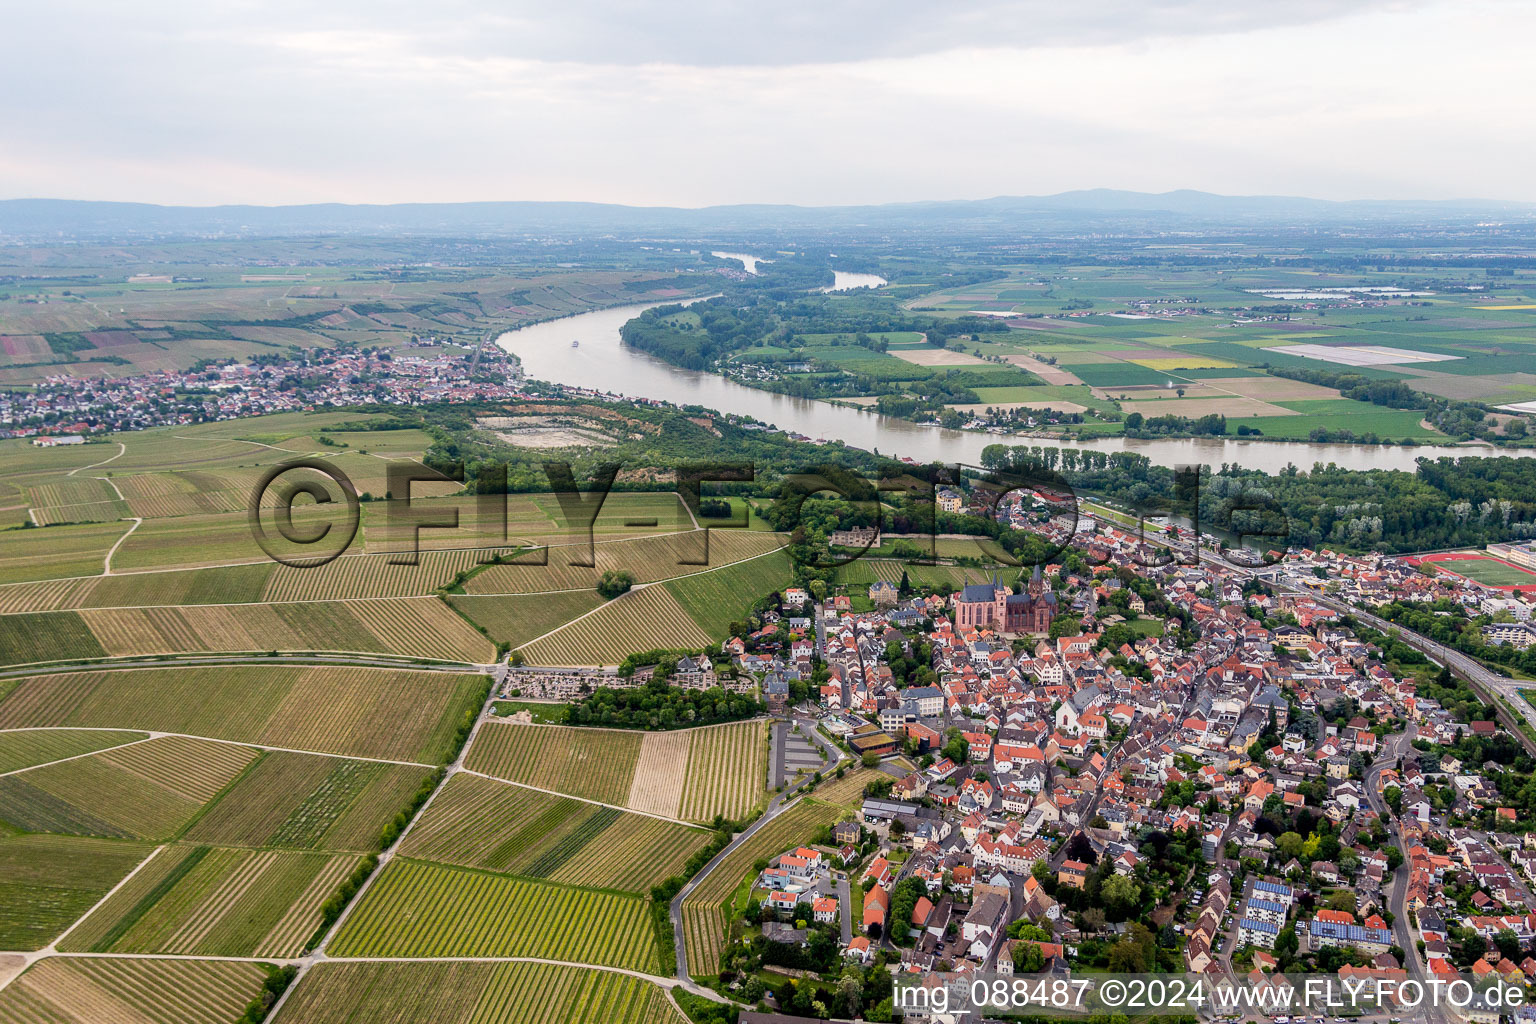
<point x="101" y="990"/>
<point x="308" y="801"/>
<point x="417" y="909"/>
<point x="640" y="620"/>
<point x="715" y="599"/>
<point x="71" y="490"/>
<point x="147" y="790"/>
<point x="209" y="901"/>
<point x="474" y="993"/>
<point x="420" y="628"/>
<point x="47" y="882"/>
<point x="233" y="584"/>
<point x="89" y="512"/>
<point x="656" y="787"/>
<point x="20" y="750"/>
<point x="726" y="772"/>
<point x="44" y="637"/>
<point x="57" y="552"/>
<point x="330" y="710"/>
<point x="518" y="619"/>
<point x="598" y="764"/>
<point x="357" y="576"/>
<point x="481" y="823"/>
<point x="704" y="916"/>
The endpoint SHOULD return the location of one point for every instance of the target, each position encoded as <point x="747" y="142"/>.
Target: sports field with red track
<point x="1482" y="568"/>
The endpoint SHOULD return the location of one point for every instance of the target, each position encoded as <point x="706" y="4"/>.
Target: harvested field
<point x="307" y="801"/>
<point x="329" y="710"/>
<point x="47" y="882"/>
<point x="474" y="993"/>
<point x="1045" y="371"/>
<point x="1271" y="389"/>
<point x="598" y="764"/>
<point x="416" y="909"/>
<point x="481" y="823"/>
<point x="937" y="357"/>
<point x="726" y="771"/>
<point x="656" y="786"/>
<point x="89" y="990"/>
<point x="1231" y="407"/>
<point x="704" y="915"/>
<point x="637" y="621"/>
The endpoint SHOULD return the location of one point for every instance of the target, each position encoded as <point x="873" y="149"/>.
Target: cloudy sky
<point x="690" y="104"/>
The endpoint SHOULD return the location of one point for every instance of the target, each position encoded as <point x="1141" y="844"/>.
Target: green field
<point x="474" y="993"/>
<point x="47" y="882"/>
<point x="480" y="823"/>
<point x="416" y="909"/>
<point x="46" y="637"/>
<point x="208" y="901"/>
<point x="517" y="620"/>
<point x="715" y="599"/>
<point x="597" y="764"/>
<point x="327" y="710"/>
<point x="1488" y="571"/>
<point x="305" y="801"/>
<point x="24" y="749"/>
<point x="97" y="990"/>
<point x="147" y="790"/>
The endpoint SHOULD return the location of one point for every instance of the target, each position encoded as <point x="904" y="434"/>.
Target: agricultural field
<point x="208" y="901"/>
<point x="416" y="909"/>
<point x="329" y="710"/>
<point x="309" y="802"/>
<point x="704" y="916"/>
<point x="691" y="774"/>
<point x="726" y="771"/>
<point x="47" y="882"/>
<point x="517" y="620"/>
<point x="43" y="637"/>
<point x="481" y="823"/>
<point x="20" y="750"/>
<point x="474" y="993"/>
<point x="715" y="599"/>
<point x="100" y="990"/>
<point x="145" y="790"/>
<point x="416" y="628"/>
<point x="641" y="620"/>
<point x="57" y="552"/>
<point x="595" y="764"/>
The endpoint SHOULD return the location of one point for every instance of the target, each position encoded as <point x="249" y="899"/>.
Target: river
<point x="602" y="362"/>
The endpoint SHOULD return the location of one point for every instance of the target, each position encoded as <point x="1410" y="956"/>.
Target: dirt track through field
<point x="658" y="784"/>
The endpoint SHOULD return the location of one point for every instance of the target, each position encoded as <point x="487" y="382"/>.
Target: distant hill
<point x="37" y="218"/>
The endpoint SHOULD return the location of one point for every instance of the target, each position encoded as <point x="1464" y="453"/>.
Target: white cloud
<point x="833" y="103"/>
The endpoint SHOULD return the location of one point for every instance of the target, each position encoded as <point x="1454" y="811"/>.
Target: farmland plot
<point x="121" y="991"/>
<point x="598" y="764"/>
<point x="20" y="750"/>
<point x="714" y="599"/>
<point x="704" y="916"/>
<point x="307" y="801"/>
<point x="46" y="882"/>
<point x="640" y="620"/>
<point x="45" y="637"/>
<point x="420" y="909"/>
<point x="328" y="709"/>
<point x="357" y="576"/>
<point x="481" y="823"/>
<point x="474" y="993"/>
<point x="726" y="772"/>
<point x="146" y="790"/>
<point x="217" y="902"/>
<point x="518" y="619"/>
<point x="657" y="787"/>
